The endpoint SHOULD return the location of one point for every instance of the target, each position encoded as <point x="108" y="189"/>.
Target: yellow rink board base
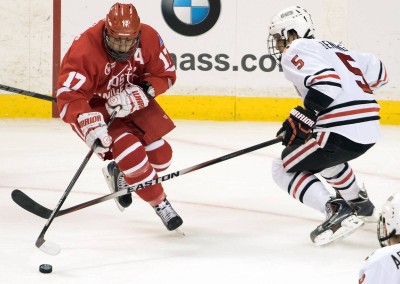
<point x="220" y="108"/>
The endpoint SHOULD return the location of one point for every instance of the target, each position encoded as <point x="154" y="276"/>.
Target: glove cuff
<point x="148" y="89"/>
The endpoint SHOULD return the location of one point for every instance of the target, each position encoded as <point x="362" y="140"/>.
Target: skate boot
<point x="341" y="221"/>
<point x="168" y="215"/>
<point x="116" y="182"/>
<point x="364" y="208"/>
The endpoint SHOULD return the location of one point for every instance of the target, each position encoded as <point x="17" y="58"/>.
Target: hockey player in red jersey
<point x="338" y="122"/>
<point x="120" y="64"/>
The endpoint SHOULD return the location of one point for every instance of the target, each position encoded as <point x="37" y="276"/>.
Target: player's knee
<point x="279" y="174"/>
<point x="335" y="171"/>
<point x="160" y="154"/>
<point x="124" y="144"/>
<point x="130" y="156"/>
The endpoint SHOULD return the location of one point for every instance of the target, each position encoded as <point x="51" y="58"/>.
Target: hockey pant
<point x="326" y="154"/>
<point x="138" y="147"/>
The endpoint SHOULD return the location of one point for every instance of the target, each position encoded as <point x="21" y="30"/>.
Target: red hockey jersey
<point x="89" y="76"/>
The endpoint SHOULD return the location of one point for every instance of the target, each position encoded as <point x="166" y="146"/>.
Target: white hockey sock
<point x="342" y="179"/>
<point x="303" y="186"/>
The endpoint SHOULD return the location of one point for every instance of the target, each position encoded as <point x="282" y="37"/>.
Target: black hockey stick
<point x="49" y="247"/>
<point x="27" y="93"/>
<point x="32" y="206"/>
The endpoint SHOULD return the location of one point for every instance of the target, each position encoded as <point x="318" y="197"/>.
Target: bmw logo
<point x="191" y="17"/>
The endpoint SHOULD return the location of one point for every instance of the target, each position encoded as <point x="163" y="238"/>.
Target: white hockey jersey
<point x="340" y="79"/>
<point x="383" y="266"/>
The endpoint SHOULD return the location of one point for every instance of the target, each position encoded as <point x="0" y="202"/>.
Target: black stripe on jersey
<point x="380" y="70"/>
<point x="352" y="103"/>
<point x="303" y="192"/>
<point x="316" y="100"/>
<point x="349" y="121"/>
<point x="346" y="166"/>
<point x="327" y="83"/>
<point x="324" y="70"/>
<point x="317" y="73"/>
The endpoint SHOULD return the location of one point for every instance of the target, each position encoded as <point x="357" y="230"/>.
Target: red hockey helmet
<point x="122" y="31"/>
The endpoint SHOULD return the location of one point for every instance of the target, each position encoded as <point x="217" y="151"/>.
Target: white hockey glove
<point x="93" y="127"/>
<point x="129" y="100"/>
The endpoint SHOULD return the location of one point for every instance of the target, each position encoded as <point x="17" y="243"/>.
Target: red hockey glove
<point x="297" y="128"/>
<point x="129" y="100"/>
<point x="93" y="127"/>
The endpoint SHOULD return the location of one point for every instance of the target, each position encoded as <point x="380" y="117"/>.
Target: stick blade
<point x="29" y="204"/>
<point x="48" y="247"/>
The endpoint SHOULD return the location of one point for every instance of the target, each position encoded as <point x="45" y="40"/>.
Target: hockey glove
<point x="93" y="127"/>
<point x="129" y="100"/>
<point x="297" y="128"/>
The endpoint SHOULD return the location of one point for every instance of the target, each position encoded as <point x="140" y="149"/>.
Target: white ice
<point x="240" y="227"/>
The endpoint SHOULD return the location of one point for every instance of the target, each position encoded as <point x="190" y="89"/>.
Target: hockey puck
<point x="45" y="268"/>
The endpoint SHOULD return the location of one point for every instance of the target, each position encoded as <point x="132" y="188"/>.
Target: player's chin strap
<point x="384" y="239"/>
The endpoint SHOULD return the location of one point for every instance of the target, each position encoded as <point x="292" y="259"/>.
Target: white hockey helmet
<point x="292" y="18"/>
<point x="389" y="220"/>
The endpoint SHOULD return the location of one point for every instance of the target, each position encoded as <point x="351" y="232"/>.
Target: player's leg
<point x="133" y="162"/>
<point x="328" y="154"/>
<point x="343" y="180"/>
<point x="304" y="186"/>
<point x="309" y="190"/>
<point x="323" y="151"/>
<point x="160" y="155"/>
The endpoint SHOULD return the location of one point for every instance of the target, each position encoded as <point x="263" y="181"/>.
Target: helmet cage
<point x="383" y="236"/>
<point x="122" y="28"/>
<point x="122" y="55"/>
<point x="290" y="19"/>
<point x="272" y="50"/>
<point x="389" y="220"/>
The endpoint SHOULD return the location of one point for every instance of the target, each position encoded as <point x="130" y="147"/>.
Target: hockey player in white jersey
<point x="338" y="122"/>
<point x="383" y="266"/>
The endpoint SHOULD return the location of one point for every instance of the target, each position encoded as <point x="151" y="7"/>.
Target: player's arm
<point x="71" y="99"/>
<point x="159" y="70"/>
<point x="75" y="88"/>
<point x="306" y="68"/>
<point x="372" y="68"/>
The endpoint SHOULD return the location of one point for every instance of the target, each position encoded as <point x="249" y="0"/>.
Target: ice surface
<point x="240" y="227"/>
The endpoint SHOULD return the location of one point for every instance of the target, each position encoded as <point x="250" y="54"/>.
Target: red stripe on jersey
<point x="380" y="81"/>
<point x="349" y="112"/>
<point x="321" y="138"/>
<point x="303" y="150"/>
<point x="335" y="76"/>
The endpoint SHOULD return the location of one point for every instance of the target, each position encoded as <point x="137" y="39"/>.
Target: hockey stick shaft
<point x="27" y="93"/>
<point x="40" y="240"/>
<point x="32" y="206"/>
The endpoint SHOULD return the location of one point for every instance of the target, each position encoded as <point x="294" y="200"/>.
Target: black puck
<point x="45" y="268"/>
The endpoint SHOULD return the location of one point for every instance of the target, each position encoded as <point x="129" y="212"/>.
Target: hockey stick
<point x="27" y="93"/>
<point x="49" y="247"/>
<point x="32" y="206"/>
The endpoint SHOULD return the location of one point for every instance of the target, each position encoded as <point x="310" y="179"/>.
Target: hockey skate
<point x="341" y="221"/>
<point x="116" y="182"/>
<point x="168" y="215"/>
<point x="364" y="208"/>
